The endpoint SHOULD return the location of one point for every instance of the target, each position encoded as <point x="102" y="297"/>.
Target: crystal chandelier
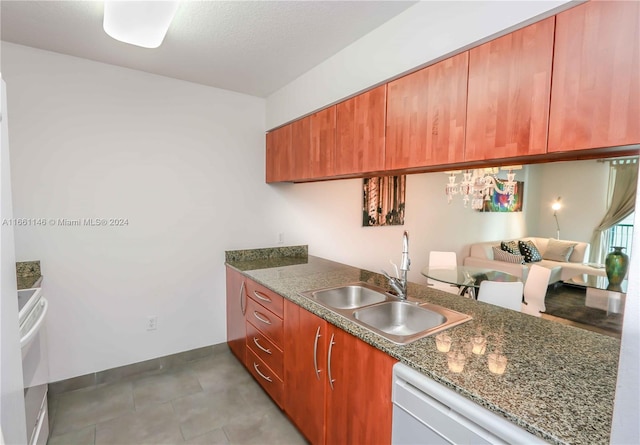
<point x="478" y="185"/>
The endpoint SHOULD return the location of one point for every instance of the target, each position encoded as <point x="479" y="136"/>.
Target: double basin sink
<point x="399" y="321"/>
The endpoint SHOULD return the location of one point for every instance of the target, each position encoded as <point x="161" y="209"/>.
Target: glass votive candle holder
<point x="456" y="361"/>
<point x="478" y="345"/>
<point x="497" y="363"/>
<point x="443" y="342"/>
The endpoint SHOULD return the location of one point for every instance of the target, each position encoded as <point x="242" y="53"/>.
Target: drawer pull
<point x="243" y="307"/>
<point x="261" y="296"/>
<point x="255" y="366"/>
<point x="331" y="379"/>
<point x="255" y="340"/>
<point x="315" y="354"/>
<point x="261" y="317"/>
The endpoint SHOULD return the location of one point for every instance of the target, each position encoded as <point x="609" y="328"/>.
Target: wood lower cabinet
<point x="305" y="371"/>
<point x="358" y="401"/>
<point x="426" y="113"/>
<point x="509" y="94"/>
<point x="236" y="308"/>
<point x="595" y="98"/>
<point x="337" y="387"/>
<point x="265" y="334"/>
<point x="360" y="133"/>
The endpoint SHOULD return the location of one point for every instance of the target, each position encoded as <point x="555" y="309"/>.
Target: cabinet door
<point x="323" y="143"/>
<point x="426" y="113"/>
<point x="236" y="308"/>
<point x="305" y="371"/>
<point x="595" y="100"/>
<point x="509" y="94"/>
<point x="301" y="147"/>
<point x="358" y="408"/>
<point x="360" y="123"/>
<point x="279" y="154"/>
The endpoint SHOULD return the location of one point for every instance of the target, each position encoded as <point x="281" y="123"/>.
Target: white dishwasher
<point x="426" y="412"/>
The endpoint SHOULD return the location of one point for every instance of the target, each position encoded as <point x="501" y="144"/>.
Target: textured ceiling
<point x="253" y="47"/>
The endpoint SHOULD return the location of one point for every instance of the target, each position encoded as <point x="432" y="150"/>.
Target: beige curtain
<point x="623" y="184"/>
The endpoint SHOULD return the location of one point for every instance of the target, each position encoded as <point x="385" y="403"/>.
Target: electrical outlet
<point x="281" y="238"/>
<point x="152" y="323"/>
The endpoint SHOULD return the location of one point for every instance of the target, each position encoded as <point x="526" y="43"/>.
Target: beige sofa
<point x="481" y="255"/>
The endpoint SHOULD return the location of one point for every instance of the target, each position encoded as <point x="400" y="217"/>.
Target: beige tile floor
<point x="209" y="401"/>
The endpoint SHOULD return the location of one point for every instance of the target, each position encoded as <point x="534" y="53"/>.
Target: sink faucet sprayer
<point x="399" y="284"/>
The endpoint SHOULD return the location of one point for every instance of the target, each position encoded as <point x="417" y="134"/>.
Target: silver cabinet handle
<point x="315" y="354"/>
<point x="331" y="380"/>
<point x="255" y="340"/>
<point x="255" y="366"/>
<point x="243" y="308"/>
<point x="261" y="296"/>
<point x="261" y="317"/>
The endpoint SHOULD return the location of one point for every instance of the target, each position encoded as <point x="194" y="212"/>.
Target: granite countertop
<point x="559" y="382"/>
<point x="28" y="274"/>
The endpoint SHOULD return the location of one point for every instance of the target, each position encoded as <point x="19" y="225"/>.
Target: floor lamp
<point x="556" y="206"/>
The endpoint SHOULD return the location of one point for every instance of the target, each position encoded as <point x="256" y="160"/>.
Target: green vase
<point x="615" y="265"/>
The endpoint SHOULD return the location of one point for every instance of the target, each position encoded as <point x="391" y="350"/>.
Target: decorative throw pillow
<point x="511" y="247"/>
<point x="558" y="250"/>
<point x="530" y="251"/>
<point x="501" y="255"/>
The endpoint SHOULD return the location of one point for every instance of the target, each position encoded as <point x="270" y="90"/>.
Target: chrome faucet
<point x="399" y="284"/>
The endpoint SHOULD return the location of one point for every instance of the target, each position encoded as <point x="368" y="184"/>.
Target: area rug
<point x="568" y="302"/>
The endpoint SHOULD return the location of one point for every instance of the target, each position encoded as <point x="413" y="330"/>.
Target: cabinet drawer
<point x="266" y="297"/>
<point x="266" y="322"/>
<point x="269" y="353"/>
<point x="265" y="376"/>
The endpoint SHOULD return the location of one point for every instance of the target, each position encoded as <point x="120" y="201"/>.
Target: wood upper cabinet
<point x="509" y="94"/>
<point x="279" y="155"/>
<point x="314" y="140"/>
<point x="360" y="133"/>
<point x="426" y="113"/>
<point x="305" y="371"/>
<point x="236" y="308"/>
<point x="358" y="406"/>
<point x="595" y="100"/>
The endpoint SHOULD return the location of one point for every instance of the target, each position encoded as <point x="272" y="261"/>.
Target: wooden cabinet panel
<point x="359" y="408"/>
<point x="509" y="94"/>
<point x="595" y="100"/>
<point x="360" y="133"/>
<point x="305" y="343"/>
<point x="279" y="162"/>
<point x="266" y="378"/>
<point x="266" y="297"/>
<point x="267" y="322"/>
<point x="314" y="145"/>
<point x="267" y="351"/>
<point x="323" y="143"/>
<point x="236" y="308"/>
<point x="301" y="147"/>
<point x="426" y="113"/>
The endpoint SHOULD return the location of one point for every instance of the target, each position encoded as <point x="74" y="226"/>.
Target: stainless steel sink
<point x="404" y="321"/>
<point x="373" y="308"/>
<point x="350" y="296"/>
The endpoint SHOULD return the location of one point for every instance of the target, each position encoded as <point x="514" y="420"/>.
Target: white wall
<point x="423" y="33"/>
<point x="184" y="163"/>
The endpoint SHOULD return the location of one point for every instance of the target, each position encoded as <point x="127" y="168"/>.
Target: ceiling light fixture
<point x="140" y="23"/>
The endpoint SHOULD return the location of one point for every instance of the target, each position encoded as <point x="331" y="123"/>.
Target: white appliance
<point x="35" y="363"/>
<point x="426" y="412"/>
<point x="12" y="421"/>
